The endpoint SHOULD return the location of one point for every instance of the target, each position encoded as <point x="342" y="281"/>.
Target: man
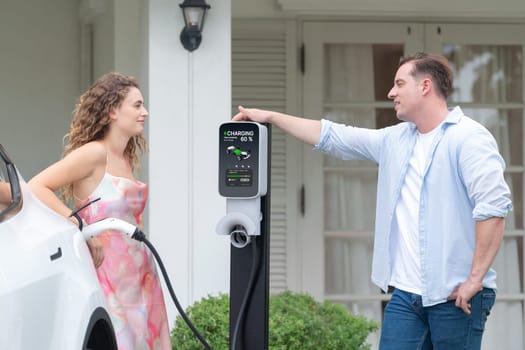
<point x="441" y="203"/>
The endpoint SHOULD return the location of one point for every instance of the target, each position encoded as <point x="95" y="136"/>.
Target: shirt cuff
<point x="484" y="211"/>
<point x="325" y="127"/>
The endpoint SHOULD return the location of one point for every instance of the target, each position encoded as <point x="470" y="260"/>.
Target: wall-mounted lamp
<point x="194" y="12"/>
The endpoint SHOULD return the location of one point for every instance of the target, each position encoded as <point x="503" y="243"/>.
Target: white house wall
<point x="103" y="53"/>
<point x="39" y="79"/>
<point x="267" y="9"/>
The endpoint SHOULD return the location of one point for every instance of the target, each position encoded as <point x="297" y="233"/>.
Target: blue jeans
<point x="408" y="325"/>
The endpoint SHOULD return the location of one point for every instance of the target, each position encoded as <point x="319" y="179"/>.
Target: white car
<point x="50" y="297"/>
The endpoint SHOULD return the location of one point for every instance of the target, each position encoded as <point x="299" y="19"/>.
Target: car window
<point x="10" y="195"/>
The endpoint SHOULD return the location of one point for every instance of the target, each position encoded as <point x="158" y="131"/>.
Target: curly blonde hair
<point x="91" y="119"/>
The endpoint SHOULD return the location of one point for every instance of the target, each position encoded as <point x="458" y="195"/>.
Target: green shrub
<point x="296" y="321"/>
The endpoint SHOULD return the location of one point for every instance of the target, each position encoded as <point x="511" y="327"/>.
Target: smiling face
<point x="406" y="93"/>
<point x="131" y="114"/>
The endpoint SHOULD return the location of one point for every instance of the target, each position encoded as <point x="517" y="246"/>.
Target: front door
<point x="349" y="69"/>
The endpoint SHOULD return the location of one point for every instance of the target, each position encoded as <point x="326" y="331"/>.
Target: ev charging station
<point x="244" y="177"/>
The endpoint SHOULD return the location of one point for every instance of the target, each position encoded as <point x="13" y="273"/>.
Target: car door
<point x="30" y="268"/>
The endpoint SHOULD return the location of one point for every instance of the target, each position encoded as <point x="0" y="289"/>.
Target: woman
<point x="105" y="140"/>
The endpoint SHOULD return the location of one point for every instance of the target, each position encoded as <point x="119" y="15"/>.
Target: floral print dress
<point x="128" y="274"/>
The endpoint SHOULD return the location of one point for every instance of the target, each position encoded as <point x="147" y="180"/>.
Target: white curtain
<point x="350" y="194"/>
<point x="488" y="74"/>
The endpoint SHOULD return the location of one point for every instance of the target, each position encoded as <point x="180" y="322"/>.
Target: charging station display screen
<point x="238" y="159"/>
<point x="239" y="177"/>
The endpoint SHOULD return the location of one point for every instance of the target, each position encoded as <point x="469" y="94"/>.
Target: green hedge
<point x="296" y="322"/>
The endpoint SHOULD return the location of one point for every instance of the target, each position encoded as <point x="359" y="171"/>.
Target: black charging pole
<point x="253" y="328"/>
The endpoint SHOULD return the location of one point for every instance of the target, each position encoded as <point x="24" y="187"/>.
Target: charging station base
<point x="254" y="329"/>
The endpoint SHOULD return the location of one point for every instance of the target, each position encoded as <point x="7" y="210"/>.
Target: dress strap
<point x="107" y="160"/>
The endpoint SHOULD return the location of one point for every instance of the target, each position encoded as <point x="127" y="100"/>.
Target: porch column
<point x="189" y="95"/>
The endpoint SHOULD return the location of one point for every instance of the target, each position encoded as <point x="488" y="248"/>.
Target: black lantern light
<point x="194" y="12"/>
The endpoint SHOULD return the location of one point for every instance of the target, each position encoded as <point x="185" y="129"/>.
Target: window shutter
<point x="259" y="81"/>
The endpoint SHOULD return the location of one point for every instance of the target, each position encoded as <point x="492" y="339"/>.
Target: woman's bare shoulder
<point x="92" y="152"/>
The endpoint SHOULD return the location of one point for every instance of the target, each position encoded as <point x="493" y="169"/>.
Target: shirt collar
<point x="454" y="115"/>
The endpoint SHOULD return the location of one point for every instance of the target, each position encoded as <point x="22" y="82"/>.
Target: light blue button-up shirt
<point x="463" y="183"/>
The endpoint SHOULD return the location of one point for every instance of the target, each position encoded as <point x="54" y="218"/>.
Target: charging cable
<point x="251" y="284"/>
<point x="140" y="236"/>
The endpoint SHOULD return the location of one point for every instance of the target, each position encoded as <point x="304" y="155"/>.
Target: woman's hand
<point x="96" y="250"/>
<point x="5" y="194"/>
<point x="94" y="245"/>
<point x="77" y="220"/>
